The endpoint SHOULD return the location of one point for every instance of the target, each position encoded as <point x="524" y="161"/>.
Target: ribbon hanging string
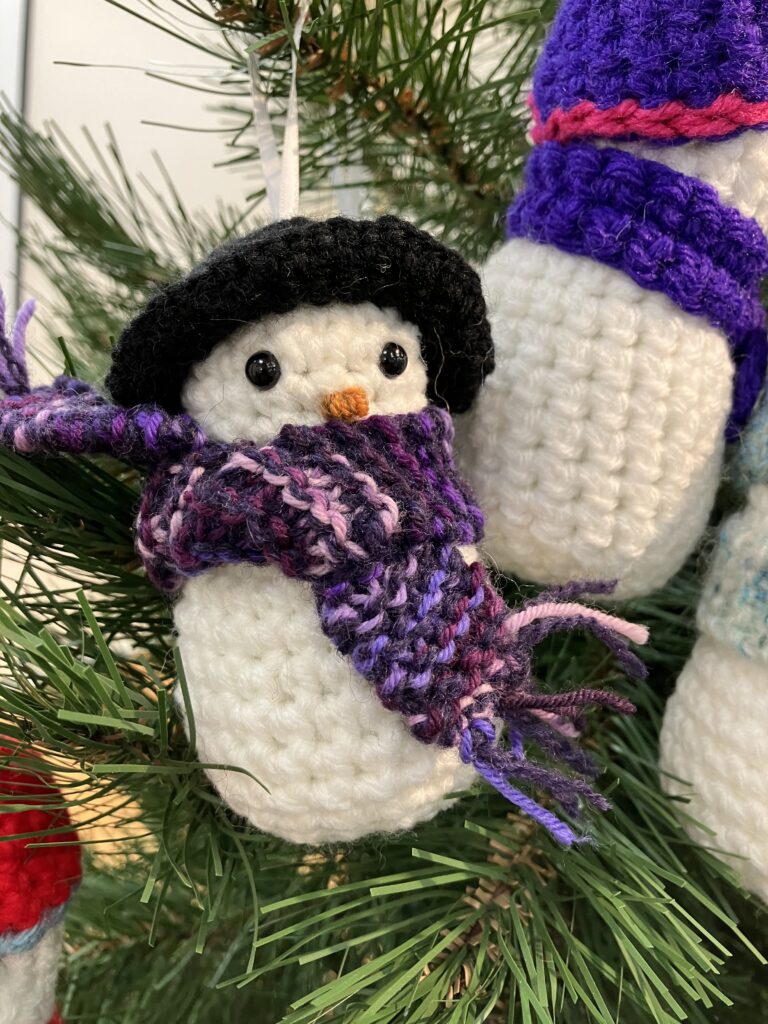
<point x="281" y="173"/>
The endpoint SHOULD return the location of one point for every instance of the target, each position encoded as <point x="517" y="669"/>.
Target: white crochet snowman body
<point x="270" y="693"/>
<point x="595" y="448"/>
<point x="714" y="742"/>
<point x="28" y="981"/>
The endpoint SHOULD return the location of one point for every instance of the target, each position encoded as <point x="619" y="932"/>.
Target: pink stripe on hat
<point x="671" y="120"/>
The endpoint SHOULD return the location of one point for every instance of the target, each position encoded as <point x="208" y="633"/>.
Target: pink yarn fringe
<point x="563" y="610"/>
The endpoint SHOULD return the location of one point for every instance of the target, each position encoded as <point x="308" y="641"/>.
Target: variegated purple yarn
<point x="373" y="516"/>
<point x="69" y="416"/>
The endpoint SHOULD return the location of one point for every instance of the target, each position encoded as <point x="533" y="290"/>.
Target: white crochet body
<point x="714" y="742"/>
<point x="596" y="446"/>
<point x="714" y="749"/>
<point x="28" y="981"/>
<point x="270" y="693"/>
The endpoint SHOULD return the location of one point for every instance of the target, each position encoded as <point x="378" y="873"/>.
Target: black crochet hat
<point x="273" y="270"/>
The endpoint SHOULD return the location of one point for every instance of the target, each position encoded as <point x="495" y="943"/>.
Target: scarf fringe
<point x="552" y="722"/>
<point x="14" y="378"/>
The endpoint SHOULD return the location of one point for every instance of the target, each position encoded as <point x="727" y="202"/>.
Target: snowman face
<point x="306" y="367"/>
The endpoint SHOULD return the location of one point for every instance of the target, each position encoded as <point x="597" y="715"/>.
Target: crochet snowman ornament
<point x="630" y="339"/>
<point x="342" y="644"/>
<point x="38" y="877"/>
<point x="713" y="740"/>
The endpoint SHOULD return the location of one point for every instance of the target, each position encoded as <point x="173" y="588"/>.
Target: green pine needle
<point x="193" y="917"/>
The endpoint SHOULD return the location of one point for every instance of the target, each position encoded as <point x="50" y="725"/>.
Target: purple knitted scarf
<point x="667" y="231"/>
<point x="371" y="516"/>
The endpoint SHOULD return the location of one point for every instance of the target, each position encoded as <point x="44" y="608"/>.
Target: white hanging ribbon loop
<point x="290" y="177"/>
<point x="265" y="134"/>
<point x="281" y="175"/>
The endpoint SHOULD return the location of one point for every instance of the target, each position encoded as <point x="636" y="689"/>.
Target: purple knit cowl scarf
<point x="668" y="232"/>
<point x="372" y="516"/>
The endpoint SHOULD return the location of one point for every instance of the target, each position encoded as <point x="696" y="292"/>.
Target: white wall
<point x="94" y="32"/>
<point x="12" y="40"/>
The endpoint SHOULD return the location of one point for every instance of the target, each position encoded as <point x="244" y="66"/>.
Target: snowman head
<point x="305" y="321"/>
<point x="313" y="364"/>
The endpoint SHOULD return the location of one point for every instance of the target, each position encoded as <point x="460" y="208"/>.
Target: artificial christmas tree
<point x="474" y="915"/>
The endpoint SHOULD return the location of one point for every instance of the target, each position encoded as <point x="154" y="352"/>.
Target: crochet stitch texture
<point x="668" y="70"/>
<point x="667" y="231"/>
<point x="596" y="446"/>
<point x="276" y="269"/>
<point x="734" y="604"/>
<point x="713" y="740"/>
<point x="271" y="693"/>
<point x="714" y="744"/>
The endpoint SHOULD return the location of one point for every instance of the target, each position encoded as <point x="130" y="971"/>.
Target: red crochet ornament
<point x="38" y="876"/>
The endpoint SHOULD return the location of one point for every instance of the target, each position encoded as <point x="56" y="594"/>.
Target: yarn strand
<point x="562" y="832"/>
<point x="14" y="379"/>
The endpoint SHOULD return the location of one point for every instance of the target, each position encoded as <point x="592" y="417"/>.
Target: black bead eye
<point x="393" y="359"/>
<point x="263" y="370"/>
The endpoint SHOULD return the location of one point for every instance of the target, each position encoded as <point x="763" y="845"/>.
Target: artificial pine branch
<point x="427" y="97"/>
<point x="474" y="916"/>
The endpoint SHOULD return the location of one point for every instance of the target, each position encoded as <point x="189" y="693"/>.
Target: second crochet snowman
<point x="624" y="304"/>
<point x="713" y="740"/>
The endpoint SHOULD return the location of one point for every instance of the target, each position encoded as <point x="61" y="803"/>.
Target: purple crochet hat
<point x="665" y="70"/>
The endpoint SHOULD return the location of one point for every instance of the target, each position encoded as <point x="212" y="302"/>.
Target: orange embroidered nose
<point x="349" y="405"/>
